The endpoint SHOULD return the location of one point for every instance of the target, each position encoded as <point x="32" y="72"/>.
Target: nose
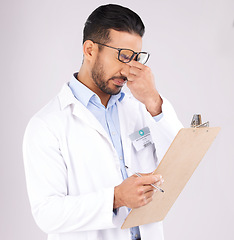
<point x="125" y="68"/>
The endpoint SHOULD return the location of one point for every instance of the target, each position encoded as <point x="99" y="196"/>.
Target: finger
<point x="158" y="177"/>
<point x="135" y="71"/>
<point x="127" y="74"/>
<point x="149" y="194"/>
<point x="147" y="188"/>
<point x="149" y="179"/>
<point x="136" y="64"/>
<point x="146" y="200"/>
<point x="148" y="174"/>
<point x="160" y="180"/>
<point x="158" y="183"/>
<point x="131" y="73"/>
<point x="131" y="78"/>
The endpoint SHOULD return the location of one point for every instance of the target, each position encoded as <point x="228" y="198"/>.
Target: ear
<point x="89" y="49"/>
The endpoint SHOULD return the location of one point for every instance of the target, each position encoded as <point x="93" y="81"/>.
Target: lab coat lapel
<point x="67" y="98"/>
<point x="88" y="118"/>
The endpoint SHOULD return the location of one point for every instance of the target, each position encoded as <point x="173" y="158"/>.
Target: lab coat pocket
<point x="145" y="160"/>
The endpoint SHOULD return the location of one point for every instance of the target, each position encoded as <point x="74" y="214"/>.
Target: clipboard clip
<point x="197" y="122"/>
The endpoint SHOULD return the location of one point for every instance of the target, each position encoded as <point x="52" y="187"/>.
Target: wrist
<point x="117" y="200"/>
<point x="154" y="105"/>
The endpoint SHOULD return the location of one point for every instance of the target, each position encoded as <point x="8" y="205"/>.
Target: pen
<point x="139" y="175"/>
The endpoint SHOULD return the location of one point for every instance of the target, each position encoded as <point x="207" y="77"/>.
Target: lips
<point x="119" y="81"/>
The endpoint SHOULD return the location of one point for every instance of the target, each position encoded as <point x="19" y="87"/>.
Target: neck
<point x="84" y="76"/>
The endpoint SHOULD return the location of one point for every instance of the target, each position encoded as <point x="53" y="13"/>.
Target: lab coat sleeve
<point x="165" y="128"/>
<point x="169" y="121"/>
<point x="54" y="210"/>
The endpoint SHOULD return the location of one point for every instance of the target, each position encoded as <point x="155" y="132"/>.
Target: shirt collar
<point x="85" y="95"/>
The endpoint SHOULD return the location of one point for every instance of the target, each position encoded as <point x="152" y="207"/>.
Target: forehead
<point x="125" y="40"/>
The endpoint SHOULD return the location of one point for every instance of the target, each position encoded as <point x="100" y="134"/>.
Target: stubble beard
<point x="98" y="77"/>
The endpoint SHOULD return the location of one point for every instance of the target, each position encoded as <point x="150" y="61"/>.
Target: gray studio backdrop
<point x="192" y="57"/>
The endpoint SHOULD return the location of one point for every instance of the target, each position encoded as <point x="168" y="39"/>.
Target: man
<point x="76" y="147"/>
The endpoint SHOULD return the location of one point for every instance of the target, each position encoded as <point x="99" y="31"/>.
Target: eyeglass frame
<point x="120" y="49"/>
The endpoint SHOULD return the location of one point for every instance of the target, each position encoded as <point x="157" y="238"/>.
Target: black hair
<point x="111" y="16"/>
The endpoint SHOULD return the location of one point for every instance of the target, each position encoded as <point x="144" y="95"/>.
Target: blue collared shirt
<point x="109" y="119"/>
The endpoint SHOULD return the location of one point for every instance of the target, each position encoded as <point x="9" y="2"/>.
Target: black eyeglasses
<point x="127" y="55"/>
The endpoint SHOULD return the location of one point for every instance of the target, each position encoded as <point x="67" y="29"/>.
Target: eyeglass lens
<point x="142" y="58"/>
<point x="126" y="55"/>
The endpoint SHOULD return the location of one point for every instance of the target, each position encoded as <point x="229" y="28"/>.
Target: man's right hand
<point x="136" y="191"/>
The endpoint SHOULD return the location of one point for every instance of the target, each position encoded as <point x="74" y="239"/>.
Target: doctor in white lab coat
<point x="74" y="181"/>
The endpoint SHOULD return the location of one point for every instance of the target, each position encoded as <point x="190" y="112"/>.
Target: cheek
<point x="112" y="67"/>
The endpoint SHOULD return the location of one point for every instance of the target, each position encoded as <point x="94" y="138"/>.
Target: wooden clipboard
<point x="177" y="166"/>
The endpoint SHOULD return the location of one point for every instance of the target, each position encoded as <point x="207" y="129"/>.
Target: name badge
<point x="141" y="138"/>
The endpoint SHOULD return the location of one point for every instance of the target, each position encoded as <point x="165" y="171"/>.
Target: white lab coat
<point x="72" y="167"/>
